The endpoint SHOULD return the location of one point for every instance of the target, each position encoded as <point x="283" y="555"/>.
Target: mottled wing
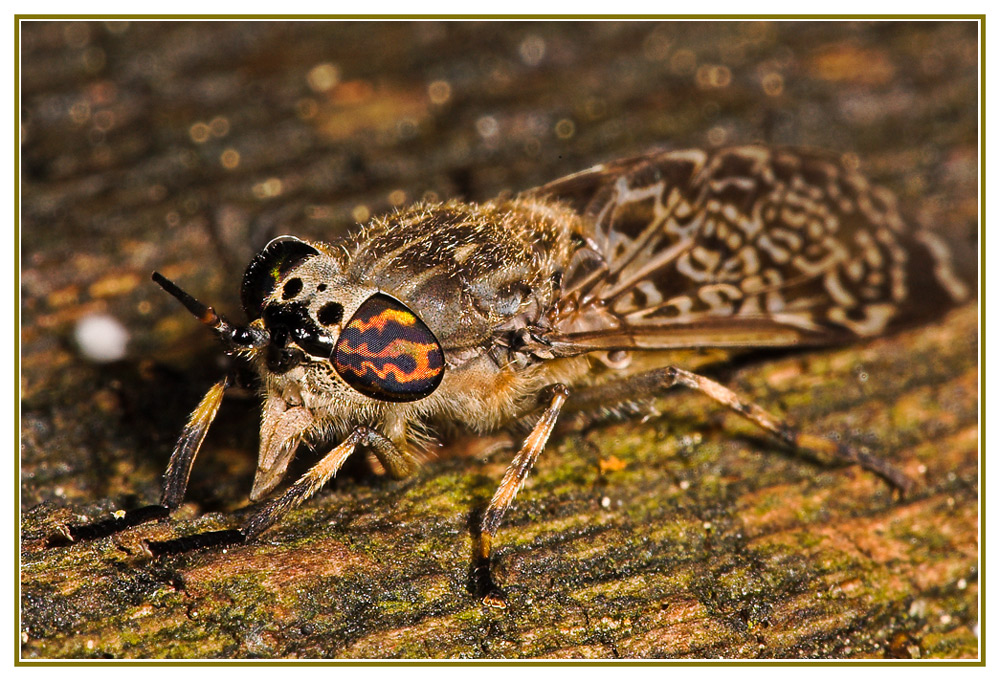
<point x="739" y="247"/>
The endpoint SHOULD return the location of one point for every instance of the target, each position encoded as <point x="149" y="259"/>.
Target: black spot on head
<point x="331" y="313"/>
<point x="857" y="314"/>
<point x="321" y="288"/>
<point x="291" y="289"/>
<point x="278" y="259"/>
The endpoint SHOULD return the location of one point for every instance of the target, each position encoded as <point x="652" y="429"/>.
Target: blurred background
<point x="184" y="146"/>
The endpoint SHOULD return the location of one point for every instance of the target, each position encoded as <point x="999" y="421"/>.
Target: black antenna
<point x="234" y="336"/>
<point x="204" y="313"/>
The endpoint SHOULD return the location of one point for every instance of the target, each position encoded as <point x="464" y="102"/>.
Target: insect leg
<point x="512" y="481"/>
<point x="651" y="382"/>
<point x="396" y="462"/>
<point x="273" y="511"/>
<point x="174" y="480"/>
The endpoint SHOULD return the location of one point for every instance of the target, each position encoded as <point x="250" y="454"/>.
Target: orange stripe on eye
<point x="421" y="373"/>
<point x="397" y="348"/>
<point x="383" y="319"/>
<point x="420" y="353"/>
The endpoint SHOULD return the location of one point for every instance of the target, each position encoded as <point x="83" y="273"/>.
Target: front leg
<point x="175" y="479"/>
<point x="296" y="494"/>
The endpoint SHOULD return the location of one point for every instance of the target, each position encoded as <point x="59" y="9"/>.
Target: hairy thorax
<point x="478" y="278"/>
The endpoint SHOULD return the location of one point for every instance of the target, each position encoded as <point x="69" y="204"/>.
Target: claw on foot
<point x="495" y="599"/>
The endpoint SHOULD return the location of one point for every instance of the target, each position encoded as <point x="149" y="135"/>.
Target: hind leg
<point x="655" y="382"/>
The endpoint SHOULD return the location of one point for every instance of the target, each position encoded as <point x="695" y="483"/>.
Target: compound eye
<point x="387" y="353"/>
<point x="269" y="267"/>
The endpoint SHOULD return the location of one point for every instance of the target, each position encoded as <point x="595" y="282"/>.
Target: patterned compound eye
<point x="387" y="353"/>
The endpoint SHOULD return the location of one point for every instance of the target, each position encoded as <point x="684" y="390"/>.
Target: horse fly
<point x="513" y="311"/>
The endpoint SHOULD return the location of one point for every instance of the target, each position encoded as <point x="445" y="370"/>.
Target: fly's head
<point x="313" y="315"/>
<point x="312" y="327"/>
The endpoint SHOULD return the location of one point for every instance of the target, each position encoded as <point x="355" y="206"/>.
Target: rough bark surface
<point x="183" y="146"/>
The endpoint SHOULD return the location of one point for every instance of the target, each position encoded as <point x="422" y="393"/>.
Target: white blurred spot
<point x="532" y="50"/>
<point x="487" y="126"/>
<point x="101" y="338"/>
<point x="323" y="77"/>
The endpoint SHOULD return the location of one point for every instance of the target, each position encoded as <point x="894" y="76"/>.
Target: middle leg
<point x="512" y="481"/>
